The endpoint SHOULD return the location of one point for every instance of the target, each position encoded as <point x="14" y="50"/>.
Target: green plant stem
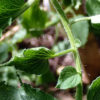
<point x="66" y="25"/>
<point x="78" y="93"/>
<point x="51" y="23"/>
<point x="62" y="53"/>
<point x="81" y="19"/>
<point x="57" y="19"/>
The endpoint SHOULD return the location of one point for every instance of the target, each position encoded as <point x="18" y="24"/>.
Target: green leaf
<point x="33" y="61"/>
<point x="26" y="92"/>
<point x="80" y="30"/>
<point x="94" y="90"/>
<point x="34" y="19"/>
<point x="9" y="92"/>
<point x="10" y="9"/>
<point x="3" y="52"/>
<point x="46" y="78"/>
<point x="93" y="7"/>
<point x="95" y="20"/>
<point x="69" y="78"/>
<point x="8" y="74"/>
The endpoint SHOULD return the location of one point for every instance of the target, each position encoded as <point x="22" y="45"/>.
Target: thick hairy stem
<point x="66" y="25"/>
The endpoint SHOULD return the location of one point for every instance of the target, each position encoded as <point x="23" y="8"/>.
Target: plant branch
<point x="81" y="19"/>
<point x="62" y="53"/>
<point x="54" y="22"/>
<point x="85" y="19"/>
<point x="57" y="19"/>
<point x="10" y="33"/>
<point x="64" y="22"/>
<point x="66" y="25"/>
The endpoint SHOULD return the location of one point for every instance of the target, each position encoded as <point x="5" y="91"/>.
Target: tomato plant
<point x="30" y="19"/>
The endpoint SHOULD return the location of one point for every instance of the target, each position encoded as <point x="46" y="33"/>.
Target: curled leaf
<point x="33" y="61"/>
